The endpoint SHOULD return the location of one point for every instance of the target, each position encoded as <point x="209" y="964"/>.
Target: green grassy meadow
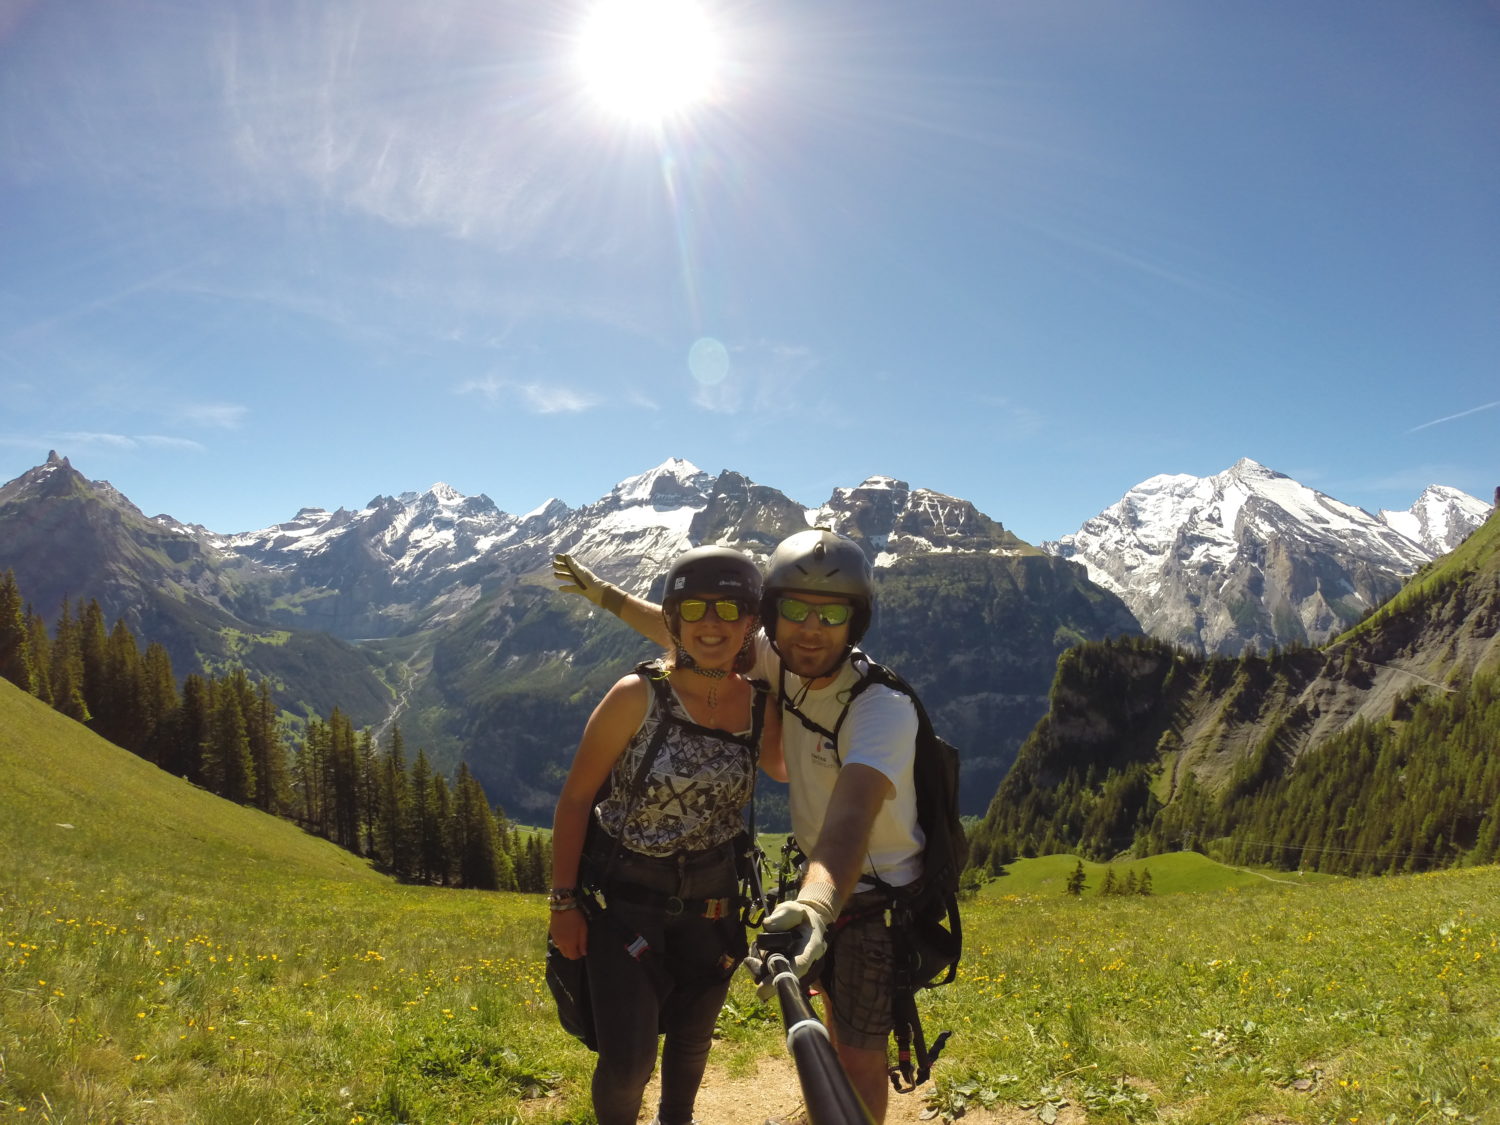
<point x="166" y="957"/>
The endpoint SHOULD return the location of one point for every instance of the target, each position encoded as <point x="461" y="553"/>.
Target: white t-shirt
<point x="880" y="732"/>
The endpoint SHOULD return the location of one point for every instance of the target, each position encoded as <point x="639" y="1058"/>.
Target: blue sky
<point x="262" y="254"/>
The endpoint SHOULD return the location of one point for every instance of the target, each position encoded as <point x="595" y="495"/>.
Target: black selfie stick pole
<point x="826" y="1090"/>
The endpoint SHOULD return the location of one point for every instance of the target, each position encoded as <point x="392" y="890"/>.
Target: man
<point x="853" y="799"/>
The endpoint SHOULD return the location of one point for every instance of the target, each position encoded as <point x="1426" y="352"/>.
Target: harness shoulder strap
<point x="758" y="709"/>
<point x="651" y="671"/>
<point x="873" y="674"/>
<point x="870" y="673"/>
<point x="648" y="758"/>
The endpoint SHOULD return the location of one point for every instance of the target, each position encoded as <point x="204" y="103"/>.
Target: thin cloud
<point x="535" y="397"/>
<point x="161" y="441"/>
<point x="94" y="439"/>
<point x="217" y="415"/>
<point x="1454" y="417"/>
<point x="121" y="443"/>
<point x="556" y="400"/>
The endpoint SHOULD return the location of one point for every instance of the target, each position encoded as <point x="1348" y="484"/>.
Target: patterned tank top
<point x="698" y="784"/>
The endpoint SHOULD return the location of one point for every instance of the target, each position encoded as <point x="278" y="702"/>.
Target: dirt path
<point x="1271" y="878"/>
<point x="772" y="1092"/>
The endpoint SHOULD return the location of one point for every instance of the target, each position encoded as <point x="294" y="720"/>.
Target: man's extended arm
<point x="838" y="856"/>
<point x="884" y="731"/>
<point x="642" y="616"/>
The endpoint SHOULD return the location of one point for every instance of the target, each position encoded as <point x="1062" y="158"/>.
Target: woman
<point x="675" y="745"/>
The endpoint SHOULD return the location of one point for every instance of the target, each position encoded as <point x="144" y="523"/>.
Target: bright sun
<point x="648" y="60"/>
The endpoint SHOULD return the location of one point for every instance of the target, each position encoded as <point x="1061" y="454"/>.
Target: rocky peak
<point x="671" y="484"/>
<point x="1440" y="520"/>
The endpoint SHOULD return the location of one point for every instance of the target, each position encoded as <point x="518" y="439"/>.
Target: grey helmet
<point x="715" y="572"/>
<point x="820" y="561"/>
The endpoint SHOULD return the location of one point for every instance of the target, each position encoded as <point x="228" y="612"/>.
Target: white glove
<point x="575" y="578"/>
<point x="810" y="922"/>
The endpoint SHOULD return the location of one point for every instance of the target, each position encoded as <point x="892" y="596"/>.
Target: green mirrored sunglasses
<point x="832" y="614"/>
<point x="693" y="609"/>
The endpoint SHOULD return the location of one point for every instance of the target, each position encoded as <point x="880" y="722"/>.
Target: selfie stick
<point x="826" y="1090"/>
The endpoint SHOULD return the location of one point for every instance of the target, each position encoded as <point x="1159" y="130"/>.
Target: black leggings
<point x="675" y="989"/>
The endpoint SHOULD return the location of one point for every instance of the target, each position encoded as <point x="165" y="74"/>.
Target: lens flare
<point x="708" y="360"/>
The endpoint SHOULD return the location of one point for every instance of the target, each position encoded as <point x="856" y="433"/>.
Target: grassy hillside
<point x="1177" y="873"/>
<point x="1475" y="556"/>
<point x="166" y="957"/>
<point x="75" y="803"/>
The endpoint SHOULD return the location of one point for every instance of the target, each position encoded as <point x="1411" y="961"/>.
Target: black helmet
<point x="713" y="571"/>
<point x="820" y="561"/>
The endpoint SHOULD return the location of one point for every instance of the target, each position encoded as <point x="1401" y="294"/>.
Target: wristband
<point x="559" y="907"/>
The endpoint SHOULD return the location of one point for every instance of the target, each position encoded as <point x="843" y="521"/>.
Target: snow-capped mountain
<point x="1250" y="557"/>
<point x="662" y="512"/>
<point x="631" y="533"/>
<point x="896" y="521"/>
<point x="1440" y="520"/>
<point x="402" y="559"/>
<point x="414" y="532"/>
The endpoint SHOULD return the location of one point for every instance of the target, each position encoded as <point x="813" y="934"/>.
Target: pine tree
<point x="67" y="667"/>
<point x="441" y="859"/>
<point x="309" y="775"/>
<point x="343" y="787"/>
<point x="1077" y="880"/>
<point x="1109" y="886"/>
<point x="426" y="830"/>
<point x="397" y="828"/>
<point x="41" y="656"/>
<point x="125" y="719"/>
<point x="268" y="754"/>
<point x="159" y="692"/>
<point x="190" y="731"/>
<point x="478" y="855"/>
<point x="533" y="871"/>
<point x="93" y="649"/>
<point x="15" y="638"/>
<point x="369" y="789"/>
<point x="228" y="764"/>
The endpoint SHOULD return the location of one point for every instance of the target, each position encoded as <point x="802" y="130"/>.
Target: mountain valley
<point x="436" y="611"/>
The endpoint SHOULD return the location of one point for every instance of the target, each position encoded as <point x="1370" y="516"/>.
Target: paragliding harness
<point x="749" y="903"/>
<point x="568" y="980"/>
<point x="923" y="918"/>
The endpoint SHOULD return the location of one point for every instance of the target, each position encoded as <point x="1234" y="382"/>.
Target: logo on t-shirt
<point x="825" y="754"/>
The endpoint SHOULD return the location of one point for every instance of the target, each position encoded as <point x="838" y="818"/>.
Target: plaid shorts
<point x="863" y="964"/>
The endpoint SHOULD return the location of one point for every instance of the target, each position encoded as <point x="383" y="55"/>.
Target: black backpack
<point x="935" y="770"/>
<point x="926" y="925"/>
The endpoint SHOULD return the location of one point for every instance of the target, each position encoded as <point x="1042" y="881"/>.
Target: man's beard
<point x="798" y="665"/>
